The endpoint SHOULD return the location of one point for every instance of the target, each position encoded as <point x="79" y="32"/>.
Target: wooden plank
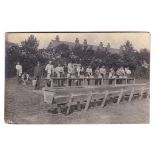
<point x="97" y="96"/>
<point x="61" y="99"/>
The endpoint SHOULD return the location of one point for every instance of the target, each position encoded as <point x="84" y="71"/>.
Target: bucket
<point x="48" y="96"/>
<point x="34" y="82"/>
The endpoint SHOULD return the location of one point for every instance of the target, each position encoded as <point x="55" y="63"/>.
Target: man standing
<point x="78" y="69"/>
<point x="128" y="72"/>
<point x="19" y="72"/>
<point x="70" y="70"/>
<point x="65" y="70"/>
<point x="97" y="76"/>
<point x="103" y="71"/>
<point x="120" y="72"/>
<point x="37" y="75"/>
<point x="49" y="69"/>
<point x="89" y="71"/>
<point x="59" y="72"/>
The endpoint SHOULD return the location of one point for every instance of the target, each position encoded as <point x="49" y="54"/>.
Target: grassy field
<point x="25" y="106"/>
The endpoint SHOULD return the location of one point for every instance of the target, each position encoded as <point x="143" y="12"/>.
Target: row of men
<point x="71" y="70"/>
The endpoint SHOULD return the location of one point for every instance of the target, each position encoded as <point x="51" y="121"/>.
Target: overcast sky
<point x="139" y="40"/>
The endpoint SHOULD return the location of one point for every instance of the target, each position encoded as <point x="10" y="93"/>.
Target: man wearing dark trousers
<point x="37" y="75"/>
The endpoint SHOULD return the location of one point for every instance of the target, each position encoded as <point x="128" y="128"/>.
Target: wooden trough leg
<point x="120" y="96"/>
<point x="131" y="95"/>
<point x="88" y="102"/>
<point x="69" y="105"/>
<point x="105" y="97"/>
<point x="141" y="93"/>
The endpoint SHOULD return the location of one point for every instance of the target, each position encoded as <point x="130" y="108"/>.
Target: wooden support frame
<point x="65" y="81"/>
<point x="105" y="98"/>
<point x="120" y="96"/>
<point x="131" y="95"/>
<point x="88" y="102"/>
<point x="141" y="93"/>
<point x="70" y="103"/>
<point x="49" y="96"/>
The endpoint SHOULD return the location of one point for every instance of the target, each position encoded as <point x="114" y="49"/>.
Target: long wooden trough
<point x="86" y="82"/>
<point x="81" y="99"/>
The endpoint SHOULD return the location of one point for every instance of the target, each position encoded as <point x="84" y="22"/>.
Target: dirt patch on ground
<point x="24" y="106"/>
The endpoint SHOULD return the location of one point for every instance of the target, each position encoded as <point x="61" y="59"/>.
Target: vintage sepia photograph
<point x="77" y="77"/>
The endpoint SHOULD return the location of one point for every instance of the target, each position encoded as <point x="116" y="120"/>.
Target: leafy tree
<point x="127" y="47"/>
<point x="134" y="59"/>
<point x="30" y="55"/>
<point x="128" y="55"/>
<point x="77" y="50"/>
<point x="30" y="45"/>
<point x="11" y="57"/>
<point x="63" y="50"/>
<point x="145" y="55"/>
<point x="114" y="60"/>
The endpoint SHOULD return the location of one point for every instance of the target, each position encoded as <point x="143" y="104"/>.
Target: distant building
<point x="77" y="41"/>
<point x="9" y="44"/>
<point x="57" y="38"/>
<point x="108" y="46"/>
<point x="85" y="45"/>
<point x="100" y="47"/>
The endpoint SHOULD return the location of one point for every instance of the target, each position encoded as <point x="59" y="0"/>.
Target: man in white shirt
<point x="59" y="71"/>
<point x="19" y="72"/>
<point x="49" y="69"/>
<point x="103" y="71"/>
<point x="79" y="70"/>
<point x="111" y="73"/>
<point x="70" y="70"/>
<point x="89" y="74"/>
<point x="120" y="72"/>
<point x="128" y="72"/>
<point x="89" y="71"/>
